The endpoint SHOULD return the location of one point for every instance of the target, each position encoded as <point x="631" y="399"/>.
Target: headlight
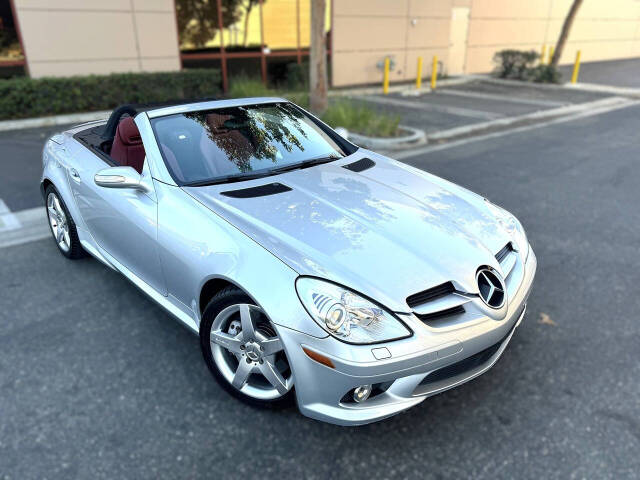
<point x="346" y="315"/>
<point x="512" y="226"/>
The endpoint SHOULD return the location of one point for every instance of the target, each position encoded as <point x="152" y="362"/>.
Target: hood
<point x="388" y="231"/>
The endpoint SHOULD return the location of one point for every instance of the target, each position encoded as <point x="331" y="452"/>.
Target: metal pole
<point x="434" y="72"/>
<point x="543" y="53"/>
<point x="385" y="79"/>
<point x="223" y="55"/>
<point x="263" y="59"/>
<point x="419" y="75"/>
<point x="299" y="53"/>
<point x="551" y="49"/>
<point x="576" y="68"/>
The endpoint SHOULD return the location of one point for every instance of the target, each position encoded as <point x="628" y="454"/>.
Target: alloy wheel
<point x="249" y="353"/>
<point x="58" y="222"/>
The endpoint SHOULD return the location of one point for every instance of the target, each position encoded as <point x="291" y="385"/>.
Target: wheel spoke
<point x="67" y="240"/>
<point x="273" y="377"/>
<point x="271" y="346"/>
<point x="226" y="341"/>
<point x="56" y="205"/>
<point x="242" y="374"/>
<point x="52" y="212"/>
<point x="59" y="235"/>
<point x="247" y="324"/>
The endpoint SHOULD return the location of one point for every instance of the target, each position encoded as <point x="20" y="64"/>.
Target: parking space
<point x="20" y="166"/>
<point x="473" y="102"/>
<point x="537" y="95"/>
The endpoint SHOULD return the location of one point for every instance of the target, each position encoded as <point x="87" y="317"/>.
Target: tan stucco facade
<point x="368" y="30"/>
<point x="78" y="37"/>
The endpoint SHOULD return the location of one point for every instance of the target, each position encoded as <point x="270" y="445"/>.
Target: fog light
<point x="361" y="393"/>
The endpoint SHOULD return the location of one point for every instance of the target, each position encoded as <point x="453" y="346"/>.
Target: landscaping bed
<point x="355" y="117"/>
<point x="23" y="97"/>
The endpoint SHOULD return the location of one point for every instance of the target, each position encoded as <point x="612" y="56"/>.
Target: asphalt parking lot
<point x="458" y="105"/>
<point x="98" y="382"/>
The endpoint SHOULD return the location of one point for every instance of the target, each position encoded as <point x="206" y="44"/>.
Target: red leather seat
<point x="127" y="147"/>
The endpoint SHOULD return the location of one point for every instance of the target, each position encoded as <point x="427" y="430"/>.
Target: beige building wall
<point x="79" y="37"/>
<point x="365" y="31"/>
<point x="603" y="29"/>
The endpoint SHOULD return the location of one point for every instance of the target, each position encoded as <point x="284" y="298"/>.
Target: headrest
<point x="128" y="132"/>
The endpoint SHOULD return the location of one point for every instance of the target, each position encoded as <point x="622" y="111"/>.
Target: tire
<point x="58" y="216"/>
<point x="221" y="318"/>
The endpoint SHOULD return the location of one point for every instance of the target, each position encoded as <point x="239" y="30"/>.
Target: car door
<point x="124" y="222"/>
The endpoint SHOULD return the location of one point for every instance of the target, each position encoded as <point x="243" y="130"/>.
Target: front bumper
<point x="403" y="378"/>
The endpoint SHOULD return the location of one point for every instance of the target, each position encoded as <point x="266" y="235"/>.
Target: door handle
<point x="75" y="175"/>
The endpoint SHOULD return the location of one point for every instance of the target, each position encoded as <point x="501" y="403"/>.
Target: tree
<point x="198" y="19"/>
<point x="248" y="6"/>
<point x="564" y="33"/>
<point x="318" y="58"/>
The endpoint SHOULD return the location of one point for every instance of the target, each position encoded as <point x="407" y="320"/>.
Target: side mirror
<point x="120" y="177"/>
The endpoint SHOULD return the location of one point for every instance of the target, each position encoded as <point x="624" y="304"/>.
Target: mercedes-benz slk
<point x="311" y="269"/>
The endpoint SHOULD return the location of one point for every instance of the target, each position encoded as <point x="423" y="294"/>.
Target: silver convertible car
<point x="311" y="269"/>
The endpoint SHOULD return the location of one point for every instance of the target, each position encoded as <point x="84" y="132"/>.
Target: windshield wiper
<point x="240" y="177"/>
<point x="305" y="164"/>
<point x="236" y="177"/>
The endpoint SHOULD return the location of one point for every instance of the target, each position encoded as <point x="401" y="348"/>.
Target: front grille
<point x="431" y="294"/>
<point x="463" y="366"/>
<point x="501" y="255"/>
<point x="430" y="317"/>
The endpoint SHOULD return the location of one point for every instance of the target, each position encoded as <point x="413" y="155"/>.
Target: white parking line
<point x="8" y="220"/>
<point x="539" y="115"/>
<point x="32" y="226"/>
<point x="623" y="103"/>
<point x="501" y="98"/>
<point x="417" y="105"/>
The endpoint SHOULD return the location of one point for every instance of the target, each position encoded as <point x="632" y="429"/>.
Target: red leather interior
<point x="127" y="147"/>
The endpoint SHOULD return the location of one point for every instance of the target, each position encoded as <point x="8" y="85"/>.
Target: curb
<point x="415" y="138"/>
<point x="539" y="115"/>
<point x="404" y="87"/>
<point x="71" y="118"/>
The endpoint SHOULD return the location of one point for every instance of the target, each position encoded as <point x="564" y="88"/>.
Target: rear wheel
<point x="243" y="350"/>
<point x="62" y="226"/>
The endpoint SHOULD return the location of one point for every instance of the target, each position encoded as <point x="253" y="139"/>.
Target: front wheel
<point x="62" y="226"/>
<point x="243" y="350"/>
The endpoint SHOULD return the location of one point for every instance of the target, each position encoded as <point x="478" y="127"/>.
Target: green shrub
<point x="545" y="74"/>
<point x="298" y="76"/>
<point x="360" y="118"/>
<point x="519" y="65"/>
<point x="22" y="97"/>
<point x="243" y="86"/>
<point x="514" y="64"/>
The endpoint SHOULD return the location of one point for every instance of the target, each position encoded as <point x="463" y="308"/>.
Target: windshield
<point x="239" y="143"/>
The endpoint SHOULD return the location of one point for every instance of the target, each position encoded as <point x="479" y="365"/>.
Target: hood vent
<point x="431" y="294"/>
<point x="506" y="250"/>
<point x="260" y="191"/>
<point x="360" y="165"/>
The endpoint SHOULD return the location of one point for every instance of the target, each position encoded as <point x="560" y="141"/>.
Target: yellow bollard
<point x="550" y="54"/>
<point x="419" y="76"/>
<point x="543" y="53"/>
<point x="576" y="68"/>
<point x="385" y="80"/>
<point x="434" y="72"/>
